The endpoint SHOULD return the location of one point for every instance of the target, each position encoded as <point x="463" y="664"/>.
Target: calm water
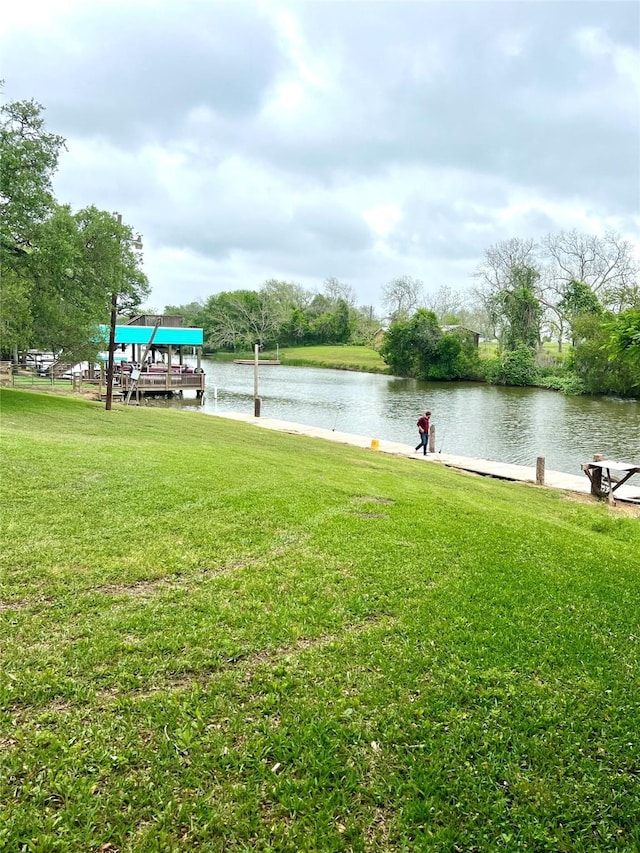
<point x="502" y="424"/>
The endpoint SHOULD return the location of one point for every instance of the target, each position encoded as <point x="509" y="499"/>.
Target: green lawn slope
<point x="360" y="358"/>
<point x="219" y="638"/>
<point x="340" y="357"/>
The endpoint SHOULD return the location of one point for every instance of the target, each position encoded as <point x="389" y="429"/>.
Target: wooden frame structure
<point x="167" y="383"/>
<point x="162" y="378"/>
<point x="606" y="486"/>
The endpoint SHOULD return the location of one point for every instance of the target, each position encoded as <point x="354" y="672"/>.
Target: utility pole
<point x="112" y="346"/>
<point x="137" y="244"/>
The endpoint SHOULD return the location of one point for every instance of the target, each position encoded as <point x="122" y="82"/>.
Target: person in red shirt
<point x="423" y="429"/>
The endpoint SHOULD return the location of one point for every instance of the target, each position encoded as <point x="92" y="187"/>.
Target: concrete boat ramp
<point x="501" y="470"/>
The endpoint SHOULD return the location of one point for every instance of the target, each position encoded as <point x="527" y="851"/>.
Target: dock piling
<point x="596" y="477"/>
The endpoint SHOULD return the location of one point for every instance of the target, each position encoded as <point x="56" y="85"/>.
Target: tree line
<point x="283" y="313"/>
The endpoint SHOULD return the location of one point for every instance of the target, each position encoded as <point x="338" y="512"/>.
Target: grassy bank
<point x="489" y="349"/>
<point x="342" y="357"/>
<point x="358" y="358"/>
<point x="223" y="639"/>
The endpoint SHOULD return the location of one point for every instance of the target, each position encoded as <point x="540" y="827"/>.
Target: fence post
<point x="540" y="471"/>
<point x="596" y="477"/>
<point x="432" y="438"/>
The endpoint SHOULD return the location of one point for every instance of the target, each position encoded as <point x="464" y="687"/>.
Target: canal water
<point x="488" y="422"/>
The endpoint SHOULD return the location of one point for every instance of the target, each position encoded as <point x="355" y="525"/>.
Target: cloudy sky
<point x="347" y="138"/>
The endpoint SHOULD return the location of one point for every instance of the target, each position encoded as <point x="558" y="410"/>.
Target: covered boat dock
<point x="145" y="365"/>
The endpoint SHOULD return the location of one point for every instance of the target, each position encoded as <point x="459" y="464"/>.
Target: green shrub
<point x="515" y="367"/>
<point x="568" y="383"/>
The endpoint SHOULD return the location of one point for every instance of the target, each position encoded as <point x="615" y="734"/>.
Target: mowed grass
<point x="221" y="638"/>
<point x="23" y="380"/>
<point x="347" y="357"/>
<point x="342" y="357"/>
<point x="489" y="349"/>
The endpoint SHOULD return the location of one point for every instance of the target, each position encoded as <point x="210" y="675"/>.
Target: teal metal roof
<point x="165" y="335"/>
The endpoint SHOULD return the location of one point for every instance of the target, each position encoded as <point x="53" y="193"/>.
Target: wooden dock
<point x="484" y="467"/>
<point x="164" y="384"/>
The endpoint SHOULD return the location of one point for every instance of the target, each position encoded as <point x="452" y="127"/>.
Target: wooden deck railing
<point x="165" y="382"/>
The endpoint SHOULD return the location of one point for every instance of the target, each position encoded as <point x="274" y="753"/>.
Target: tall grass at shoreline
<point x="220" y="638"/>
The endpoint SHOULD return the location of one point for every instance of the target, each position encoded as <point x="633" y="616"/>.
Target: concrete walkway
<point x="501" y="470"/>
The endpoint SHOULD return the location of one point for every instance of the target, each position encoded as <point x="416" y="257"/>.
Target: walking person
<point x="423" y="429"/>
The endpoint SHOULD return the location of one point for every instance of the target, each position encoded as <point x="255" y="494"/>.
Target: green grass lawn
<point x="489" y="349"/>
<point x="219" y="638"/>
<point x="344" y="357"/>
<point x="31" y="380"/>
<point x="341" y="357"/>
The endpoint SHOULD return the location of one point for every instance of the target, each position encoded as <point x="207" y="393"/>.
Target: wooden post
<point x="168" y="378"/>
<point x="112" y="348"/>
<point x="256" y="399"/>
<point x="596" y="477"/>
<point x="540" y="471"/>
<point x="432" y="438"/>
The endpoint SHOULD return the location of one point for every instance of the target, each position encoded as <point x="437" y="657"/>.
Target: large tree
<point x="28" y="160"/>
<point x="516" y="309"/>
<point x="494" y="273"/>
<point x="401" y="297"/>
<point x="446" y="303"/>
<point x="59" y="268"/>
<point x="606" y="264"/>
<point x="605" y="357"/>
<point x="495" y="278"/>
<point x="239" y="319"/>
<point x="336" y="290"/>
<point x="80" y="261"/>
<point x="364" y="325"/>
<point x="577" y="300"/>
<point x="404" y="340"/>
<point x="418" y="347"/>
<point x="191" y="312"/>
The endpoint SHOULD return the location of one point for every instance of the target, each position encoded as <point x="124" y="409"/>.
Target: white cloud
<point x="383" y="218"/>
<point x="513" y="43"/>
<point x="362" y="140"/>
<point x="596" y="44"/>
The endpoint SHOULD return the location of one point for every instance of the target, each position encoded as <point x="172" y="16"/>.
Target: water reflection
<point x="503" y="424"/>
